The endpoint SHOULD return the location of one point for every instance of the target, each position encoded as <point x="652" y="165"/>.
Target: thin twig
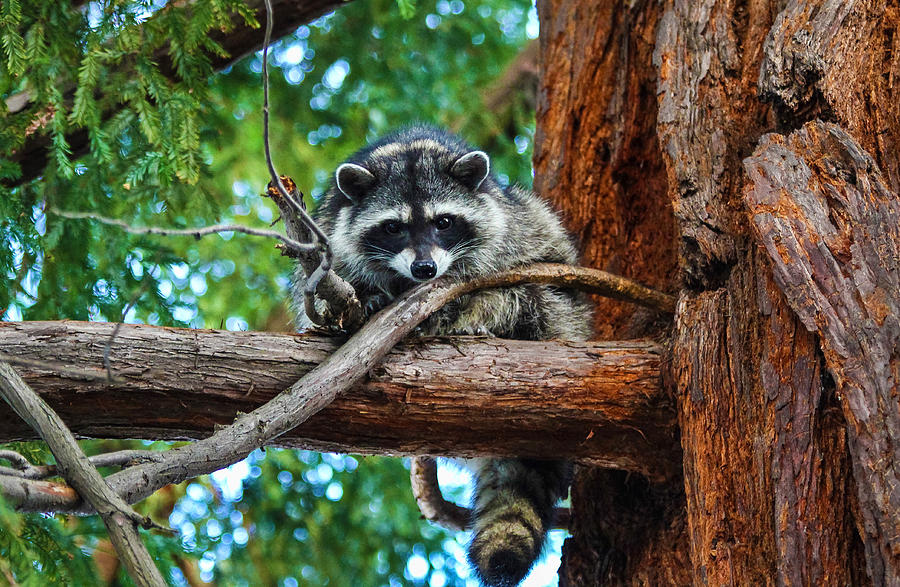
<point x="194" y="232"/>
<point x="121" y="521"/>
<point x="122" y="458"/>
<point x="313" y="279"/>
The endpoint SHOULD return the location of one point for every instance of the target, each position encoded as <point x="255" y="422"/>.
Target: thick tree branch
<point x="597" y="402"/>
<point x="831" y="227"/>
<point x="120" y="520"/>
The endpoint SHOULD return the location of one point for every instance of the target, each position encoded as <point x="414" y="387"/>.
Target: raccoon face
<point x="409" y="219"/>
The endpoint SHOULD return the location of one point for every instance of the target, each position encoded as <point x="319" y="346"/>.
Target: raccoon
<point x="421" y="204"/>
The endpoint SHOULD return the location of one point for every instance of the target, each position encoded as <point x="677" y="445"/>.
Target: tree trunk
<point x="648" y="113"/>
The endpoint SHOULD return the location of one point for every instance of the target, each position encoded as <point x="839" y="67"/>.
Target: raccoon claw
<point x="471" y="331"/>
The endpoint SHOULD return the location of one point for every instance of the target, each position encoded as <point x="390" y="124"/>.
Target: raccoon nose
<point x="423" y="269"/>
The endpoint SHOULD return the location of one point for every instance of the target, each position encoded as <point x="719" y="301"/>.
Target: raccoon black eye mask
<point x="420" y="204"/>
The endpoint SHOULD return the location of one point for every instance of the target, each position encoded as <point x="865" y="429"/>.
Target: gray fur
<point x="422" y="173"/>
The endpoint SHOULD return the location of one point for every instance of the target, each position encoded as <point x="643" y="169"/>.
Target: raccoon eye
<point x="392" y="227"/>
<point x="443" y="222"/>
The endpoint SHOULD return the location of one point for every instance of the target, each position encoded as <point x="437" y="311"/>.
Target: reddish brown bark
<point x="597" y="158"/>
<point x="831" y="227"/>
<point x="777" y="487"/>
<point x="596" y="155"/>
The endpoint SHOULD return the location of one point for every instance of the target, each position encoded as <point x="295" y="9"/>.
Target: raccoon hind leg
<point x="514" y="504"/>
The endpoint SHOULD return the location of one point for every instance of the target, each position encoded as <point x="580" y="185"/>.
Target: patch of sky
<point x="222" y="269"/>
<point x="336" y="74"/>
<point x="240" y="535"/>
<point x="241" y="189"/>
<point x="183" y="314"/>
<point x="40" y="220"/>
<point x="416" y="568"/>
<point x="131" y="317"/>
<point x="198" y="284"/>
<point x="522" y="143"/>
<point x="263" y="212"/>
<point x="239" y="209"/>
<point x="213" y="528"/>
<point x="180" y="271"/>
<point x="334" y="491"/>
<point x="236" y="323"/>
<point x="533" y="26"/>
<point x="164" y="288"/>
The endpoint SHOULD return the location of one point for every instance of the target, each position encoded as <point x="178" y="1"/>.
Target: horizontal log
<point x="597" y="402"/>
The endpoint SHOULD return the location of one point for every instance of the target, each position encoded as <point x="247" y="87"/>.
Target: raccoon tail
<point x="514" y="505"/>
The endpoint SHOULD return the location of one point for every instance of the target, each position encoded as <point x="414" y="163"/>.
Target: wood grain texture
<point x="839" y="61"/>
<point x="831" y="227"/>
<point x="765" y="451"/>
<point x="596" y="156"/>
<point x="597" y="402"/>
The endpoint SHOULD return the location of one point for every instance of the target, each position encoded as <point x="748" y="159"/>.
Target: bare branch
<point x="339" y="296"/>
<point x="121" y="458"/>
<point x="194" y="232"/>
<point x="121" y="521"/>
<point x="434" y="508"/>
<point x="297" y="209"/>
<point x="457" y="395"/>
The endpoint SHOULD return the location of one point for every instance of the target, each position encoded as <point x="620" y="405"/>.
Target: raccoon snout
<point x="423" y="269"/>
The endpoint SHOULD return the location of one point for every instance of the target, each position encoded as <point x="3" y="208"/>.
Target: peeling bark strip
<point x="839" y="60"/>
<point x="831" y="226"/>
<point x="598" y="402"/>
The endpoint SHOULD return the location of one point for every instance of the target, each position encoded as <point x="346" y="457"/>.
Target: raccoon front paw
<point x="375" y="303"/>
<point x="471" y="331"/>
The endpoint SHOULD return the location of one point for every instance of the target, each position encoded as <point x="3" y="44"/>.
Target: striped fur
<point x="423" y="196"/>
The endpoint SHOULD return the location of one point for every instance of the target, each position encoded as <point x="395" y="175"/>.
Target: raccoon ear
<point x="353" y="180"/>
<point x="471" y="169"/>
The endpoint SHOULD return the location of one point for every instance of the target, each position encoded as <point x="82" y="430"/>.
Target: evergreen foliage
<point x="173" y="144"/>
